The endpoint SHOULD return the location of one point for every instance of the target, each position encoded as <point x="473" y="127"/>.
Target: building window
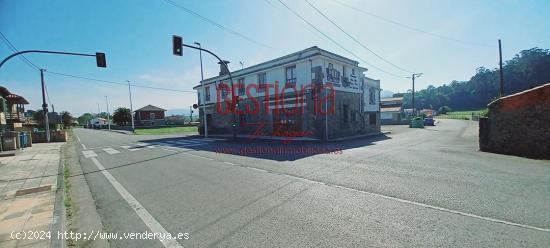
<point x="290" y="76"/>
<point x="345" y="112"/>
<point x="353" y="72"/>
<point x="224" y="89"/>
<point x="372" y="96"/>
<point x="333" y="75"/>
<point x="353" y="116"/>
<point x="151" y="116"/>
<point x="199" y="96"/>
<point x="261" y="81"/>
<point x="241" y="87"/>
<point x="372" y="119"/>
<point x="207" y="95"/>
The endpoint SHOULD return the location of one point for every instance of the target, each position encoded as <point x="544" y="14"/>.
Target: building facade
<point x="12" y="110"/>
<point x="392" y="112"/>
<point x="311" y="93"/>
<point x="149" y="116"/>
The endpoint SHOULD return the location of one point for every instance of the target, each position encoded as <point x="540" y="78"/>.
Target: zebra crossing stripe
<point x="89" y="154"/>
<point x="110" y="151"/>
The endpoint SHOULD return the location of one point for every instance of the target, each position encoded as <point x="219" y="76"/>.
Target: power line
<point x="354" y="39"/>
<point x="14" y="49"/>
<point x="119" y="83"/>
<point x="335" y="42"/>
<point x="217" y="24"/>
<point x="411" y="27"/>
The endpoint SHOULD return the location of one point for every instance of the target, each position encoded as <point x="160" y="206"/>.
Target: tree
<point x="104" y="115"/>
<point x="526" y="70"/>
<point x="122" y="116"/>
<point x="66" y="118"/>
<point x="444" y="110"/>
<point x="85" y="118"/>
<point x="38" y="116"/>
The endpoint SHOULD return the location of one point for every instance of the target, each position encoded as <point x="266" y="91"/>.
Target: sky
<point x="136" y="37"/>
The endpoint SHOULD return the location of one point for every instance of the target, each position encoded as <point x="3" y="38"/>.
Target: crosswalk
<point x="171" y="143"/>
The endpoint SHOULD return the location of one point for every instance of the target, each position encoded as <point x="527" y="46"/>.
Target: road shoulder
<point x="84" y="217"/>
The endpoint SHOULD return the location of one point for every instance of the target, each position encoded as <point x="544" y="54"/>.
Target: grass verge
<point x="167" y="130"/>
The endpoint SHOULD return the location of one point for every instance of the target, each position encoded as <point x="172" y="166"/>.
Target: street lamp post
<point x="131" y="108"/>
<point x="108" y="115"/>
<point x="204" y="120"/>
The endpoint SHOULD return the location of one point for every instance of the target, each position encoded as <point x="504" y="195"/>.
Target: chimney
<point x="223" y="70"/>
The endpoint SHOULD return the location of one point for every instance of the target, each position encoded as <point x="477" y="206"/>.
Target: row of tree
<point x="528" y="69"/>
<point x="121" y="116"/>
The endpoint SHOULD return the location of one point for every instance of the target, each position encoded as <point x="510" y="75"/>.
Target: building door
<point x="287" y="122"/>
<point x="208" y="120"/>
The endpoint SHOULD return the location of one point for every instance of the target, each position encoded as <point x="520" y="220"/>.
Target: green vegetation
<point x="67" y="184"/>
<point x="122" y="116"/>
<point x="85" y="119"/>
<point x="166" y="130"/>
<point x="463" y="115"/>
<point x="526" y="70"/>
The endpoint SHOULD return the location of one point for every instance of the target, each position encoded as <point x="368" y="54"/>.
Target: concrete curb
<point x="59" y="221"/>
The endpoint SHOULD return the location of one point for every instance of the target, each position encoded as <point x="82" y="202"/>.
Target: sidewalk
<point x="27" y="194"/>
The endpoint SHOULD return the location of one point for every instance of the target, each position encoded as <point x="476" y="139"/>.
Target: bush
<point x="444" y="110"/>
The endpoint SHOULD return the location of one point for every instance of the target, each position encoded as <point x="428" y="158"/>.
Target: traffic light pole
<point x="100" y="57"/>
<point x="230" y="79"/>
<point x="204" y="119"/>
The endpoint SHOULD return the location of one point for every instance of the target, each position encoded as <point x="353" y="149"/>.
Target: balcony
<point x="17" y="117"/>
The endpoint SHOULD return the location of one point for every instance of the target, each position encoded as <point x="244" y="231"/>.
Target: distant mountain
<point x="386" y="94"/>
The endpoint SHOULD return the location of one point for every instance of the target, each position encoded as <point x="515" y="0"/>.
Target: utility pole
<point x="414" y="75"/>
<point x="205" y="124"/>
<point x="131" y="108"/>
<point x="501" y="93"/>
<point x="108" y="115"/>
<point x="45" y="107"/>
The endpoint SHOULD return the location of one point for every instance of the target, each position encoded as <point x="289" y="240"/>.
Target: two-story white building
<point x="311" y="93"/>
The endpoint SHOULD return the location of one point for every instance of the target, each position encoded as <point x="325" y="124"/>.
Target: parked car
<point x="429" y="121"/>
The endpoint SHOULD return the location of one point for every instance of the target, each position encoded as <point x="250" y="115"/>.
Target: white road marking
<point x="125" y="147"/>
<point x="89" y="154"/>
<point x="78" y="138"/>
<point x="166" y="149"/>
<point x="199" y="156"/>
<point x="150" y="146"/>
<point x="143" y="214"/>
<point x="111" y="151"/>
<point x="84" y="147"/>
<point x="228" y="163"/>
<point x="414" y="203"/>
<point x="134" y="149"/>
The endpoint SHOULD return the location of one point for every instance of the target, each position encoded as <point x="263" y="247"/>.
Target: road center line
<point x="143" y="214"/>
<point x="78" y="138"/>
<point x="84" y="147"/>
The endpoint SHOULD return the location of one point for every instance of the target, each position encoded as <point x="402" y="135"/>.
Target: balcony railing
<point x="15" y="116"/>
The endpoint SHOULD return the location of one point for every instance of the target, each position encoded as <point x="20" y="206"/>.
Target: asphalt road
<point x="413" y="187"/>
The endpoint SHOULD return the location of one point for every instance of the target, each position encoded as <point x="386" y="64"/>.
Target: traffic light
<point x="177" y="43"/>
<point x="100" y="60"/>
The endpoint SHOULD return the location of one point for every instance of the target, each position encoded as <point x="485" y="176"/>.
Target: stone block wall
<point x="518" y="124"/>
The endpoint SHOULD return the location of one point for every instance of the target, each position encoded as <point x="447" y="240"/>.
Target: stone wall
<point x="518" y="124"/>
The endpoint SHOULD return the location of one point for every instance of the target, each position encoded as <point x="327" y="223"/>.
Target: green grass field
<point x="167" y="130"/>
<point x="462" y="115"/>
